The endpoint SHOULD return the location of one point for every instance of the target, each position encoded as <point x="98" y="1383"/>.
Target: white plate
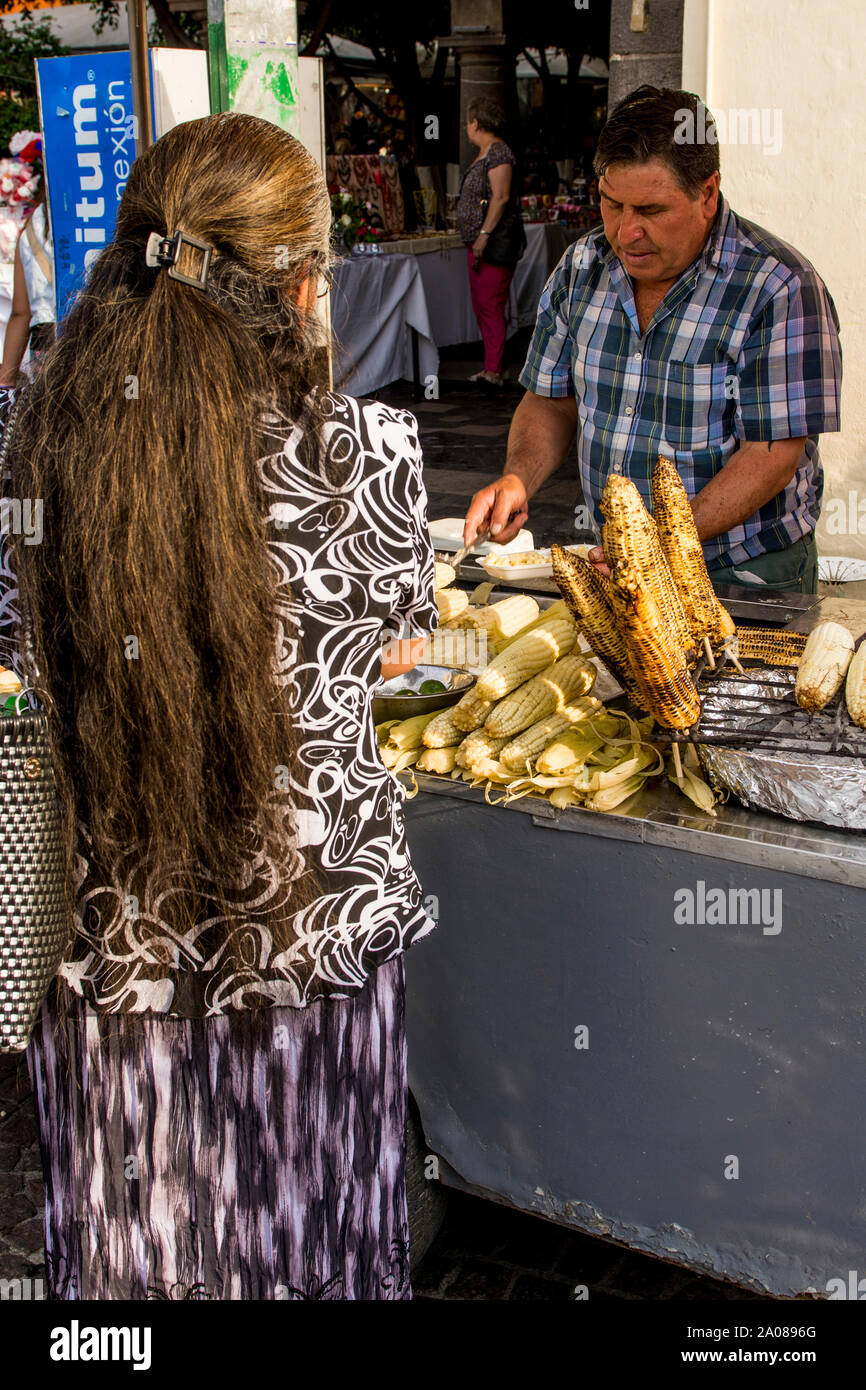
<point x="447" y="534"/>
<point x="515" y="574"/>
<point x="840" y="569"/>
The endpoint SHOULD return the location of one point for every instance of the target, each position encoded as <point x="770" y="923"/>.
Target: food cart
<point x="590" y="1043"/>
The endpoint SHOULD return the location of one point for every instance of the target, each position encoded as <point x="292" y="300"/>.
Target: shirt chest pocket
<point x="700" y="403"/>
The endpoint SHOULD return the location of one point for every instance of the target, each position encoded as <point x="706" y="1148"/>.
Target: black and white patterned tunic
<point x="354" y="563"/>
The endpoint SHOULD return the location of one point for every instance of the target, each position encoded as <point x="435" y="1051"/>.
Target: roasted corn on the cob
<point x="684" y="553"/>
<point x="587" y="593"/>
<point x="630" y="537"/>
<point x="657" y="660"/>
<point x="823" y="665"/>
<point x="543" y="694"/>
<point x="770" y="648"/>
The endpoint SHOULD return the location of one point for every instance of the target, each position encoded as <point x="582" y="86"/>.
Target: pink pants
<point x="489" y="290"/>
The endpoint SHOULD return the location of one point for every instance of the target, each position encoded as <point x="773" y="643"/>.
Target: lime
<point x="432" y="688"/>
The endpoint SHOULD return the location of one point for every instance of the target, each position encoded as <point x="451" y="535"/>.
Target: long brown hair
<point x="153" y="594"/>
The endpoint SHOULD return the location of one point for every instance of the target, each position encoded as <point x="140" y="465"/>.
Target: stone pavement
<point x="21" y="1192"/>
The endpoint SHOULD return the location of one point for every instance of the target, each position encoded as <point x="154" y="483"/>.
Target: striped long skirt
<point x="251" y="1156"/>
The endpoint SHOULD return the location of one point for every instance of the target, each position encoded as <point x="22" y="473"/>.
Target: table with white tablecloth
<point x="381" y="303"/>
<point x="380" y="320"/>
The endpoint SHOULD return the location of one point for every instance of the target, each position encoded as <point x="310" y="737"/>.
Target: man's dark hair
<point x="488" y="113"/>
<point x="661" y="123"/>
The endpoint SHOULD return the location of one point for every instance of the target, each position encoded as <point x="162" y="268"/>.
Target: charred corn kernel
<point x="588" y="596"/>
<point x="657" y="660"/>
<point x="770" y="648"/>
<point x="855" y="687"/>
<point x="823" y="665"/>
<point x="530" y="742"/>
<point x="444" y="575"/>
<point x="471" y="711"/>
<point x="545" y="642"/>
<point x="503" y="619"/>
<point x="630" y="537"/>
<point x="672" y="512"/>
<point x="437" y="760"/>
<point x="543" y="694"/>
<point x="479" y="747"/>
<point x="442" y="732"/>
<point x="451" y="603"/>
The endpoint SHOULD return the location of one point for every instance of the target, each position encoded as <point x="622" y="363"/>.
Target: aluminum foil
<point x="801" y="786"/>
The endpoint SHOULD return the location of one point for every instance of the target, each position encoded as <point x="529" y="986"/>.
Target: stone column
<point x="646" y="45"/>
<point x="478" y="38"/>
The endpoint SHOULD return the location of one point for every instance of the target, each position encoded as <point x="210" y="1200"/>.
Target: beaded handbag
<point x="33" y="911"/>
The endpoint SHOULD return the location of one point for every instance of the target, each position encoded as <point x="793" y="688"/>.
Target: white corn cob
<point x="544" y="694"/>
<point x="855" y="687"/>
<point x="438" y="760"/>
<point x="503" y="619"/>
<point x="519" y="753"/>
<point x="526" y="655"/>
<point x="451" y="603"/>
<point x="445" y="575"/>
<point x="442" y="732"/>
<point x="471" y="711"/>
<point x="479" y="747"/>
<point x="825" y="660"/>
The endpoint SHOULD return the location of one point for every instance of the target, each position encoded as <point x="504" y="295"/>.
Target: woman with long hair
<point x="220" y="1072"/>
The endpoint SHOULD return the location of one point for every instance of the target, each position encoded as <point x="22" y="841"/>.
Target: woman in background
<point x="220" y="1073"/>
<point x="485" y="202"/>
<point x="31" y="322"/>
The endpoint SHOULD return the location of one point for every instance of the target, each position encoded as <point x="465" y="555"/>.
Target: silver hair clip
<point x="164" y="251"/>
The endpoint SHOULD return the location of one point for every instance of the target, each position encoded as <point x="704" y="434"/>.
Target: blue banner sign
<point x="88" y="136"/>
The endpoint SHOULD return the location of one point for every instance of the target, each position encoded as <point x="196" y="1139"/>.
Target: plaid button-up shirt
<point x="743" y="347"/>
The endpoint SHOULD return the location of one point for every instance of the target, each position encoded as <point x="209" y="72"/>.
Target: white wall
<point x="806" y="59"/>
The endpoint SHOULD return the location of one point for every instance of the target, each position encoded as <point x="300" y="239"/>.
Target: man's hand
<point x="542" y="431"/>
<point x="596" y="558"/>
<point x="502" y="507"/>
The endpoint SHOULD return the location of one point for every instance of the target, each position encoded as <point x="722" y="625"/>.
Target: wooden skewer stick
<point x="709" y="652"/>
<point x="677" y="764"/>
<point x="736" y="663"/>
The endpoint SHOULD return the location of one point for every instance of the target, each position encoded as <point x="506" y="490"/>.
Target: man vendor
<point x="680" y="329"/>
